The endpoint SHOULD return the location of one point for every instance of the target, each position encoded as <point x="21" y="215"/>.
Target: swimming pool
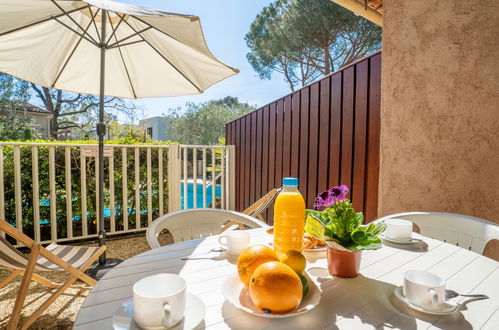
<point x="199" y="195"/>
<point x="190" y="200"/>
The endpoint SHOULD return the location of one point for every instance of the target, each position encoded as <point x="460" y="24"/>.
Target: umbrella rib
<point x="78" y="33"/>
<point x="128" y="37"/>
<point x="95" y="25"/>
<point x="121" y="56"/>
<point x="42" y="21"/>
<point x="162" y="56"/>
<point x="72" y="52"/>
<point x="114" y="30"/>
<point x="116" y="45"/>
<point x="72" y="19"/>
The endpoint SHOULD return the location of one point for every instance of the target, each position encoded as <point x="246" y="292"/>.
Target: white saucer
<point x="399" y="241"/>
<point x="194" y="314"/>
<point x="447" y="307"/>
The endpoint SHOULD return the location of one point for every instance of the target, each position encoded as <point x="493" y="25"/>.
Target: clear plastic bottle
<point x="289" y="218"/>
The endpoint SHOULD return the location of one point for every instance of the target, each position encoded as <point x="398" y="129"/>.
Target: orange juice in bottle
<point x="289" y="218"/>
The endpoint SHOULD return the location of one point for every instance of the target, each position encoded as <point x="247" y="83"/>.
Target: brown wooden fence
<point x="325" y="134"/>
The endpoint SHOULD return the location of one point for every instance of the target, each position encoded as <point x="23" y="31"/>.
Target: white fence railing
<point x="48" y="190"/>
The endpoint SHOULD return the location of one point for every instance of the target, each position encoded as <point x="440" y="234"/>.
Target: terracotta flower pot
<point x="343" y="263"/>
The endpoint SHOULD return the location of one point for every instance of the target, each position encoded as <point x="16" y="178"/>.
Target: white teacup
<point x="398" y="229"/>
<point x="424" y="289"/>
<point x="235" y="241"/>
<point x="159" y="301"/>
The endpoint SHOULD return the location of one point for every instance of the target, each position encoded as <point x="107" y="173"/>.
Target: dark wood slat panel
<point x="247" y="159"/>
<point x="325" y="134"/>
<point x="259" y="143"/>
<point x="286" y="138"/>
<point x="253" y="159"/>
<point x="313" y="149"/>
<point x="238" y="141"/>
<point x="272" y="146"/>
<point x="242" y="159"/>
<point x="373" y="139"/>
<point x="335" y="130"/>
<point x="272" y="152"/>
<point x="347" y="127"/>
<point x="304" y="115"/>
<point x="323" y="144"/>
<point x="279" y="142"/>
<point x="359" y="152"/>
<point x="295" y="134"/>
<point x="265" y="149"/>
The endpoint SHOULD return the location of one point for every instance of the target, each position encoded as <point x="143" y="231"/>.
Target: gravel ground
<point x="62" y="313"/>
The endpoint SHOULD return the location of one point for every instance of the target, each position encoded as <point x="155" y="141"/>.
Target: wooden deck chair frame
<point x="256" y="209"/>
<point x="37" y="250"/>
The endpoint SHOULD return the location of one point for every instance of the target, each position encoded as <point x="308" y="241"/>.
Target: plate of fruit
<point x="271" y="287"/>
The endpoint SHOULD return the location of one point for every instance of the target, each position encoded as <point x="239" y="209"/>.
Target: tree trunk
<point x="327" y="61"/>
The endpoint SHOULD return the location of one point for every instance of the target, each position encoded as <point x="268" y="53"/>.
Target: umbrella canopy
<point x="149" y="53"/>
<point x="106" y="48"/>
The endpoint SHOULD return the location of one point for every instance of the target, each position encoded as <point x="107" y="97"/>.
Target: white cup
<point x="398" y="229"/>
<point x="424" y="289"/>
<point x="159" y="301"/>
<point x="235" y="241"/>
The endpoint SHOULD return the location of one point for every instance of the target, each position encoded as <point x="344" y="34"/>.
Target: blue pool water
<point x="199" y="195"/>
<point x="190" y="200"/>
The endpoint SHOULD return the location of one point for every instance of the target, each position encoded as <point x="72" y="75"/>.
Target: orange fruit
<point x="295" y="260"/>
<point x="275" y="288"/>
<point x="251" y="258"/>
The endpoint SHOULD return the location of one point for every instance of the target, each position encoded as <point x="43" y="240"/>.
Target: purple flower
<point x="329" y="197"/>
<point x="339" y="192"/>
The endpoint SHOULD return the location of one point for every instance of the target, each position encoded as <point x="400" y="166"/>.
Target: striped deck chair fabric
<point x="256" y="209"/>
<point x="11" y="258"/>
<point x="72" y="259"/>
<point x="261" y="205"/>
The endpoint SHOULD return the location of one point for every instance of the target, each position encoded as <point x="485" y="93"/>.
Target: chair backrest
<point x="462" y="230"/>
<point x="190" y="224"/>
<point x="10" y="257"/>
<point x="261" y="205"/>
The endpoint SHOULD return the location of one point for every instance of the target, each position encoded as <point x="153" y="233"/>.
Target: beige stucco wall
<point x="440" y="107"/>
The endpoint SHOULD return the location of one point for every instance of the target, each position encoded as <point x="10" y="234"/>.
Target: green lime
<point x="304" y="283"/>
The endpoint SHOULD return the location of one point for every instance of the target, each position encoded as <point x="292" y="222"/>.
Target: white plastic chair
<point x="190" y="224"/>
<point x="462" y="230"/>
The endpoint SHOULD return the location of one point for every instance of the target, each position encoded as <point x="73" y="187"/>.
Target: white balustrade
<point x="191" y="173"/>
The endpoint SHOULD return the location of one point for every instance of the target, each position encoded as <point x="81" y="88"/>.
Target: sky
<point x="225" y="23"/>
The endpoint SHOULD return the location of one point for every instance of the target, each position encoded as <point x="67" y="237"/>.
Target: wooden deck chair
<point x="256" y="209"/>
<point x="72" y="259"/>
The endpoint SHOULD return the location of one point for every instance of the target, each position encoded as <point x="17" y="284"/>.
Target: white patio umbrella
<point x="106" y="48"/>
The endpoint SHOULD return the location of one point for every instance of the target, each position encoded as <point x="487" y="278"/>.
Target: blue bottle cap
<point x="289" y="181"/>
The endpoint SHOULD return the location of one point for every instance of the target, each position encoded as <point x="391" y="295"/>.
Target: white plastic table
<point x="365" y="302"/>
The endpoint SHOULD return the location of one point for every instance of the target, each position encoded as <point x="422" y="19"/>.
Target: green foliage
<point x="70" y="111"/>
<point x="341" y="224"/>
<point x="304" y="40"/>
<point x="15" y="124"/>
<point x="27" y="197"/>
<point x="204" y="123"/>
<point x="127" y="131"/>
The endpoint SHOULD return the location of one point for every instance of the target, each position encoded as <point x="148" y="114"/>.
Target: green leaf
<point x="339" y="223"/>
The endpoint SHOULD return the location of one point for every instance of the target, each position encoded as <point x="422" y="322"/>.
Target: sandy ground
<point x="62" y="313"/>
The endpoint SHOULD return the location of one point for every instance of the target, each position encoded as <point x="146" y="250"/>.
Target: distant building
<point x="156" y="127"/>
<point x="41" y="118"/>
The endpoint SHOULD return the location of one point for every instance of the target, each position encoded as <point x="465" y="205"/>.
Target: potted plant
<point x="337" y="224"/>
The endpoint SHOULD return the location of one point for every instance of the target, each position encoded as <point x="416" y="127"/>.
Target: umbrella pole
<point x="101" y="132"/>
<point x="100" y="268"/>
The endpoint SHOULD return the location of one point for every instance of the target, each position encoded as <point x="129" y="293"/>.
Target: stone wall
<point x="440" y="107"/>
